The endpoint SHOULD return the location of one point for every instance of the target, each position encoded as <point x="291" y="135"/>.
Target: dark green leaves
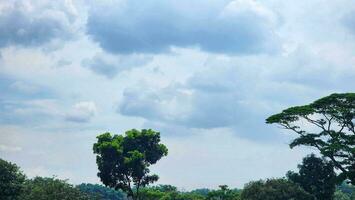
<point x="11" y="181"/>
<point x="124" y="160"/>
<point x="274" y="189"/>
<point x="316" y="176"/>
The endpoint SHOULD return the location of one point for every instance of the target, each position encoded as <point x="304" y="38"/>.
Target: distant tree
<point x="167" y="192"/>
<point x="158" y="192"/>
<point x="334" y="116"/>
<point x="339" y="195"/>
<point x="224" y="193"/>
<point x="201" y="191"/>
<point x="164" y="188"/>
<point x="347" y="189"/>
<point x="274" y="189"/>
<point x="316" y="176"/>
<point x="40" y="188"/>
<point x="100" y="192"/>
<point x="123" y="161"/>
<point x="11" y="180"/>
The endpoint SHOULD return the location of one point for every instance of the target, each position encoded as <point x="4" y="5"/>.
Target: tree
<point x="224" y="193"/>
<point x="123" y="161"/>
<point x="100" y="192"/>
<point x="11" y="180"/>
<point x="43" y="188"/>
<point x="316" y="176"/>
<point x="274" y="189"/>
<point x="334" y="117"/>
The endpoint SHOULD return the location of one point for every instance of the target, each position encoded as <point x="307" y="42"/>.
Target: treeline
<point x="123" y="162"/>
<point x="15" y="186"/>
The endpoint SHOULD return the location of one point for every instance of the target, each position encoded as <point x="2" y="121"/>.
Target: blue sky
<point x="205" y="74"/>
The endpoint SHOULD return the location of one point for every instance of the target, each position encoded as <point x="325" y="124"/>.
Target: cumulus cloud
<point x="110" y="65"/>
<point x="27" y="23"/>
<point x="203" y="102"/>
<point x="240" y="93"/>
<point x="82" y="112"/>
<point x="232" y="27"/>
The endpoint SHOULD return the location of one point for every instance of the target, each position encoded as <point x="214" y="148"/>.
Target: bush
<point x="274" y="189"/>
<point x="41" y="188"/>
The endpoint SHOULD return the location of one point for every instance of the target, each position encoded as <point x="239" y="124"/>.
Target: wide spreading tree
<point x="123" y="160"/>
<point x="316" y="176"/>
<point x="327" y="125"/>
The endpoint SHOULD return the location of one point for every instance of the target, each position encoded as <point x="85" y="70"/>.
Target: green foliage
<point x="168" y="192"/>
<point x="224" y="193"/>
<point x="40" y="188"/>
<point x="202" y="191"/>
<point x="11" y="180"/>
<point x="100" y="192"/>
<point x="347" y="189"/>
<point x="274" y="189"/>
<point x="124" y="161"/>
<point x="334" y="116"/>
<point x="339" y="195"/>
<point x="316" y="176"/>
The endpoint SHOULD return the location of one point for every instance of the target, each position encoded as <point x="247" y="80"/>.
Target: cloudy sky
<point x="204" y="73"/>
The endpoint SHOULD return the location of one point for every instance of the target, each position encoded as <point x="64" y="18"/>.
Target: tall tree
<point x="334" y="117"/>
<point x="11" y="180"/>
<point x="316" y="176"/>
<point x="123" y="160"/>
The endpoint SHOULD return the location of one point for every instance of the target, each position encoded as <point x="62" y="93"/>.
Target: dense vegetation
<point x="124" y="160"/>
<point x="40" y="188"/>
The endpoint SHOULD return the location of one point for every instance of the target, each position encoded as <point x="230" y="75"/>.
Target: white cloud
<point x="33" y="24"/>
<point x="82" y="112"/>
<point x="231" y="27"/>
<point x="110" y="65"/>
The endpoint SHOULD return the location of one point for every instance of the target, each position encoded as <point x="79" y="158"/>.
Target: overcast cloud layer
<point x="205" y="74"/>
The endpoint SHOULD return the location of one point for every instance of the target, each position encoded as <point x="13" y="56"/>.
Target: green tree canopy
<point x="11" y="180"/>
<point x="100" y="192"/>
<point x="123" y="160"/>
<point x="274" y="189"/>
<point x="40" y="188"/>
<point x="316" y="176"/>
<point x="333" y="117"/>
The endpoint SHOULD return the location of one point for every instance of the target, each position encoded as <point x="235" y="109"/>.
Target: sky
<point x="205" y="74"/>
